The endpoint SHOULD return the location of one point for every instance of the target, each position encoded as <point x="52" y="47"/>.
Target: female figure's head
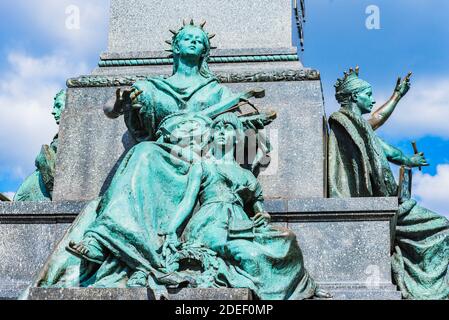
<point x="191" y="44"/>
<point x="354" y="93"/>
<point x="58" y="105"/>
<point x="227" y="133"/>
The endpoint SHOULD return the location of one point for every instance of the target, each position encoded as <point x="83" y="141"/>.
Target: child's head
<point x="227" y="130"/>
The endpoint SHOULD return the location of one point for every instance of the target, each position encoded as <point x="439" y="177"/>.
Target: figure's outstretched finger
<point x="408" y="76"/>
<point x="260" y="221"/>
<point x="258" y="215"/>
<point x="135" y="94"/>
<point x="398" y="82"/>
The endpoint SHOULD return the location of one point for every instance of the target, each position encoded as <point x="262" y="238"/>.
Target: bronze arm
<point x="381" y="115"/>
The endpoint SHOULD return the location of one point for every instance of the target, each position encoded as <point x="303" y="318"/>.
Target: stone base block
<point x="357" y="292"/>
<point x="136" y="294"/>
<point x="29" y="231"/>
<point x="345" y="243"/>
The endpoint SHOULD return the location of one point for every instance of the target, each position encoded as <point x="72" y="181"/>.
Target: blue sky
<point x="37" y="54"/>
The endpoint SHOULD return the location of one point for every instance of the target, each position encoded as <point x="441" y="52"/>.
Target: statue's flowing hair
<point x="203" y="65"/>
<point x="234" y="120"/>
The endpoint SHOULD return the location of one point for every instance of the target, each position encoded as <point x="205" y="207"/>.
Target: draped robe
<point x="142" y="197"/>
<point x="358" y="167"/>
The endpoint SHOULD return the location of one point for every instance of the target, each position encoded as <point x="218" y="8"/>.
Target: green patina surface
<point x="168" y="61"/>
<point x="39" y="185"/>
<point x="145" y="232"/>
<point x="359" y="167"/>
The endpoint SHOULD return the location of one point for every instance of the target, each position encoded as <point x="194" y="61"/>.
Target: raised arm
<point x="381" y="115"/>
<point x="396" y="156"/>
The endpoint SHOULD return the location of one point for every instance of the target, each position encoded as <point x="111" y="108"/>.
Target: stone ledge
<point x="136" y="294"/>
<point x="335" y="209"/>
<point x="273" y="75"/>
<point x="214" y="53"/>
<point x="40" y="212"/>
<point x="312" y="209"/>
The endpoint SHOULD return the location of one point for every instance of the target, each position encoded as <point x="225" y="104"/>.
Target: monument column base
<point x="136" y="294"/>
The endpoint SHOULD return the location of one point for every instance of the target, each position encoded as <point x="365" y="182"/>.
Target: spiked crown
<point x="184" y="25"/>
<point x="349" y="84"/>
<point x="348" y="77"/>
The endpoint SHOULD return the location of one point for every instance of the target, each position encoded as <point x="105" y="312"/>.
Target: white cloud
<point x="9" y="195"/>
<point x="49" y="17"/>
<point x="424" y="111"/>
<point x="28" y="82"/>
<point x="27" y="89"/>
<point x="433" y="191"/>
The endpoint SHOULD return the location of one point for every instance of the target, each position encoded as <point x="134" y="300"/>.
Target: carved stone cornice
<point x="223" y="77"/>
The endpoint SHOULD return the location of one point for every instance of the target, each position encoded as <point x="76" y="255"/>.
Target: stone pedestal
<point x="29" y="233"/>
<point x="137" y="294"/>
<point x="92" y="145"/>
<point x="254" y="50"/>
<point x="345" y="242"/>
<point x="143" y="25"/>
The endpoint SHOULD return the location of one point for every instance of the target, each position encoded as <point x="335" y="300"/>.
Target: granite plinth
<point x="345" y="242"/>
<point x="29" y="232"/>
<point x="144" y="25"/>
<point x="358" y="292"/>
<point x="137" y="294"/>
<point x="92" y="145"/>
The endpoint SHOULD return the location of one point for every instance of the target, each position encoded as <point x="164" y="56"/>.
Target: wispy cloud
<point x="48" y="19"/>
<point x="433" y="191"/>
<point x="29" y="80"/>
<point x="9" y="195"/>
<point x="27" y="89"/>
<point x="424" y="111"/>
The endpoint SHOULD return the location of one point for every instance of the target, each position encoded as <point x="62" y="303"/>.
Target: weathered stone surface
<point x="219" y="52"/>
<point x="143" y="25"/>
<point x="91" y="145"/>
<point x="136" y="294"/>
<point x="345" y="242"/>
<point x="21" y="210"/>
<point x="29" y="232"/>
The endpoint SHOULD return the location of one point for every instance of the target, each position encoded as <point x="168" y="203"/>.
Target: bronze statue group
<point x="145" y="232"/>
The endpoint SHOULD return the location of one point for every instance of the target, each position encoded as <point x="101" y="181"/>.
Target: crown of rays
<point x="348" y="75"/>
<point x="185" y="24"/>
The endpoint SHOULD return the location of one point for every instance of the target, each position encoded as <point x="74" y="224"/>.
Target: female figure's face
<point x="365" y="100"/>
<point x="224" y="135"/>
<point x="191" y="43"/>
<point x="58" y="107"/>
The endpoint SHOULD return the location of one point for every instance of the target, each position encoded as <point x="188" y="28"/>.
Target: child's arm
<point x="261" y="217"/>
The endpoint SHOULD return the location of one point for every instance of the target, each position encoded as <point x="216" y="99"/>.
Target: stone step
<point x="362" y="292"/>
<point x="366" y="295"/>
<point x="136" y="294"/>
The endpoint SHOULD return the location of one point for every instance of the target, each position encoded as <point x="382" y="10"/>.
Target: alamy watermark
<point x="373" y="278"/>
<point x="372" y="22"/>
<point x="73" y="17"/>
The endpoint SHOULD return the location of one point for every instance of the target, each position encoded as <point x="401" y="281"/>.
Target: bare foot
<point x="321" y="294"/>
<point x="84" y="251"/>
<point x="139" y="279"/>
